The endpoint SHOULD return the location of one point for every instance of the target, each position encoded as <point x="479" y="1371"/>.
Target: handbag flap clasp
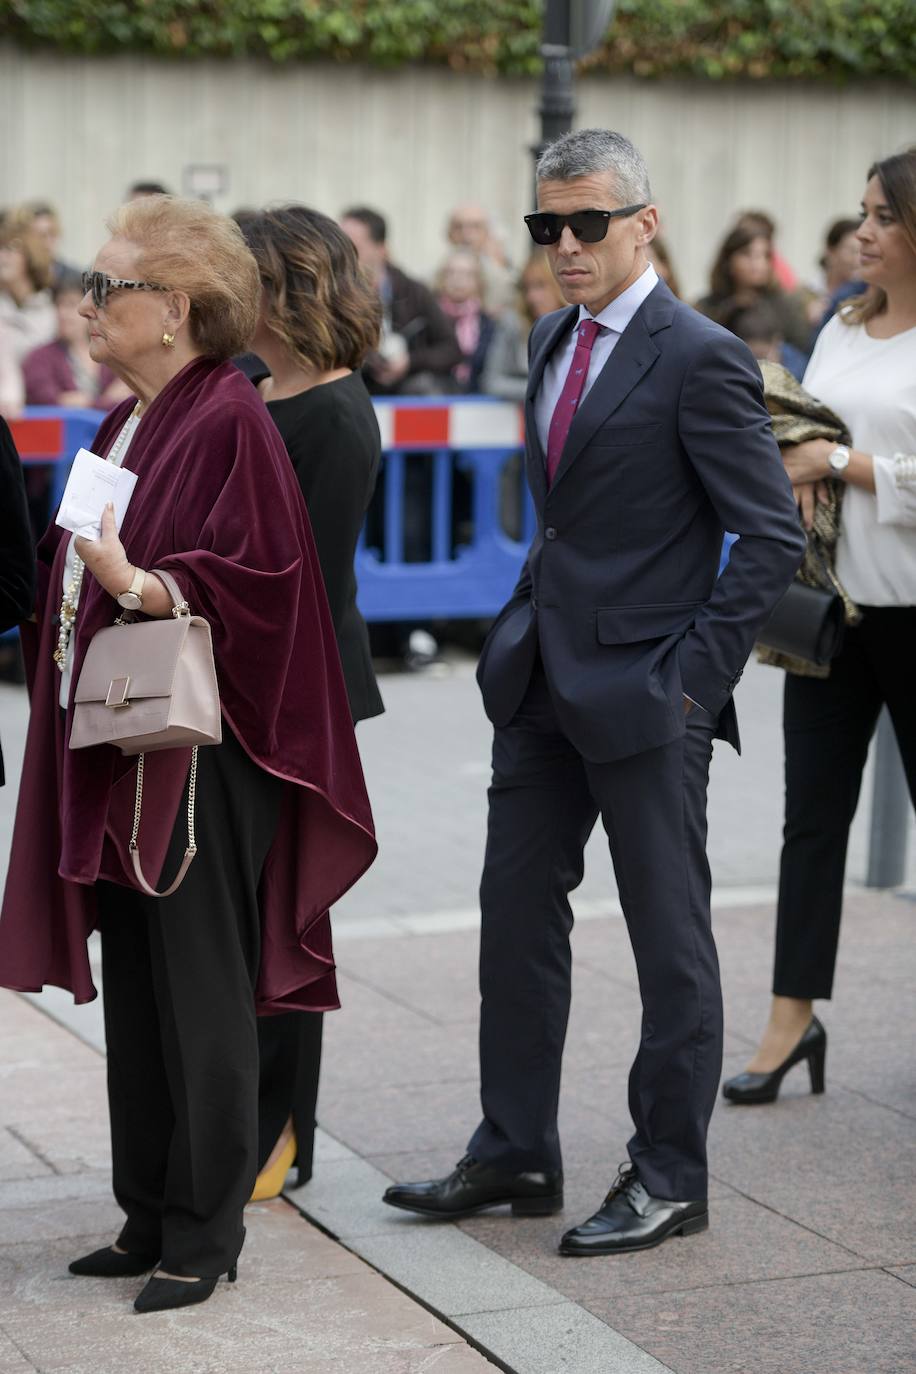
<point x="117" y="693"/>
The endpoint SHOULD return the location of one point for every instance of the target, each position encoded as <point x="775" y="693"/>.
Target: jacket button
<point x="550" y="532"/>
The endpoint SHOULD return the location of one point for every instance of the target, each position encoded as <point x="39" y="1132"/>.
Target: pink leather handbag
<point x="147" y="685"/>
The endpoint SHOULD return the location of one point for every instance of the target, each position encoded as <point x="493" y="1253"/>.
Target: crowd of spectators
<point x="465" y="331"/>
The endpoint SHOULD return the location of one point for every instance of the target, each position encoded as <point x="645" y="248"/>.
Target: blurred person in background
<point x="864" y="369"/>
<point x="26" y="310"/>
<point x="318" y="319"/>
<point x="138" y="189"/>
<point x="783" y="273"/>
<point x="418" y="348"/>
<point x="63" y="372"/>
<point x="460" y="292"/>
<point x="12" y="388"/>
<point x="415" y="357"/>
<point x="743" y="270"/>
<point x="659" y="256"/>
<point x="469" y="226"/>
<point x="46" y="223"/>
<point x="758" y="325"/>
<point x="840" y="265"/>
<point x="505" y="370"/>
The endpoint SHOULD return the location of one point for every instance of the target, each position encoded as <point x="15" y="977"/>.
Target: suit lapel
<point x="634" y="355"/>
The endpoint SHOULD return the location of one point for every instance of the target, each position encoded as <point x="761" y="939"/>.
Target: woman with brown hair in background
<point x="318" y="319"/>
<point x="743" y="273"/>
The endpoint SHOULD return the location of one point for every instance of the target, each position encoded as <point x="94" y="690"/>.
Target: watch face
<point x="130" y="601"/>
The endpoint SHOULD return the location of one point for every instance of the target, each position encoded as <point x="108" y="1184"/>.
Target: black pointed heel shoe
<point x="748" y="1089"/>
<point x="163" y="1295"/>
<point x="110" y="1264"/>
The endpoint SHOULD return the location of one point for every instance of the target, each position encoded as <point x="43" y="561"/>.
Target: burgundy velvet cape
<point x="217" y="505"/>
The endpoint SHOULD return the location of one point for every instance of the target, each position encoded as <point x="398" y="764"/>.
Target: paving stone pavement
<point x="809" y="1266"/>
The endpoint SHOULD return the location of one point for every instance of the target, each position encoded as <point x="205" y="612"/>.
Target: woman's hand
<point x="105" y="557"/>
<point x="807" y="495"/>
<point x="807" y="462"/>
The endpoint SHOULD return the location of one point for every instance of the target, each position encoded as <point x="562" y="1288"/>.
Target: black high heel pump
<point x="747" y="1089"/>
<point x="162" y="1295"/>
<point x="108" y="1263"/>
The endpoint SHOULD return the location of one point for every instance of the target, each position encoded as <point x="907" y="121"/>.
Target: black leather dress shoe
<point x="748" y="1089"/>
<point x="473" y="1187"/>
<point x="631" y="1219"/>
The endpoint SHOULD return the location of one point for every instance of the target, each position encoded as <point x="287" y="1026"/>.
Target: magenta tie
<point x="565" y="409"/>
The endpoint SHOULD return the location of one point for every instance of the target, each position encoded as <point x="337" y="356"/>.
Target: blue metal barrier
<point x="475" y="555"/>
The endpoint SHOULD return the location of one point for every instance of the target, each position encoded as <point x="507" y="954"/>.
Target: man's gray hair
<point x="586" y="151"/>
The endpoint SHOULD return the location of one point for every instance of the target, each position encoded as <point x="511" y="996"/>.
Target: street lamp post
<point x="572" y="28"/>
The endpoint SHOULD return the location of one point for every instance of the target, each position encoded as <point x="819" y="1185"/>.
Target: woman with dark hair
<point x="318" y="319"/>
<point x="743" y="272"/>
<point x="840" y="265"/>
<point x="863" y="368"/>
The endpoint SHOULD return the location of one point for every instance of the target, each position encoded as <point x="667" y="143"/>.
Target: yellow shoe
<point x="269" y="1182"/>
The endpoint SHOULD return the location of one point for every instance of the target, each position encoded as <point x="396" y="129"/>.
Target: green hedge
<point x="832" y="39"/>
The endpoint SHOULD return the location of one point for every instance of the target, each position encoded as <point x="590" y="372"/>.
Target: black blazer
<point x="332" y="437"/>
<point x="17" y="553"/>
<point x="671" y="447"/>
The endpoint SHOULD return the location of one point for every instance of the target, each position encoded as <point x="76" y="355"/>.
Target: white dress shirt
<point x="613" y="319"/>
<point x="871" y="384"/>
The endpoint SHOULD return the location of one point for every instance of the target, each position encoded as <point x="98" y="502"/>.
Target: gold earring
<point x="168" y="340"/>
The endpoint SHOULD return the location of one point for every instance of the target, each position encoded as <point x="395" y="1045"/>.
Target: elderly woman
<point x="283" y="821"/>
<point x="318" y="320"/>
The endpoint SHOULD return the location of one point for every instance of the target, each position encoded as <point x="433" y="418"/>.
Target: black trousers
<point x="179" y="974"/>
<point x="544" y="801"/>
<point x="290" y="1054"/>
<point x="828" y="723"/>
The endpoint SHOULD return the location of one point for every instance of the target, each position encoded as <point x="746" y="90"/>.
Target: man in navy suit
<point x="607" y="676"/>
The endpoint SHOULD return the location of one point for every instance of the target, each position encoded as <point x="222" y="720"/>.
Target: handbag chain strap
<point x="134" y="846"/>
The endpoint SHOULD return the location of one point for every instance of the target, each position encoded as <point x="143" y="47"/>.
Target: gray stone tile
<point x="345" y="1196"/>
<point x="290" y="1326"/>
<point x="409" y="1053"/>
<point x="17" y="1161"/>
<point x="403" y="969"/>
<point x="50" y="1187"/>
<point x="376" y="1119"/>
<point x="558" y="1340"/>
<point x="11" y="1360"/>
<point x="50" y="1219"/>
<point x="837" y="1164"/>
<point x="450" y="1272"/>
<point x="906" y="1272"/>
<point x="857" y="1323"/>
<point x="744" y="1242"/>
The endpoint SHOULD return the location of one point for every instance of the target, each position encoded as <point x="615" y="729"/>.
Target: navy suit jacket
<point x="671" y="447"/>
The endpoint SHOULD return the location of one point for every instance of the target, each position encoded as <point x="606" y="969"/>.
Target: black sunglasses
<point x="99" y="283"/>
<point x="588" y="226"/>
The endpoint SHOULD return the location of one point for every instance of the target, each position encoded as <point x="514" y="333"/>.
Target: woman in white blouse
<point x="864" y="368"/>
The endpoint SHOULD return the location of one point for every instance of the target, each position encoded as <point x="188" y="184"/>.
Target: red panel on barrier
<point x="425" y="425"/>
<point x="38" y="438"/>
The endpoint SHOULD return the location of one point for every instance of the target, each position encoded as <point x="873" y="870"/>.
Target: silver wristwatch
<point x="132" y="599"/>
<point x="838" y="460"/>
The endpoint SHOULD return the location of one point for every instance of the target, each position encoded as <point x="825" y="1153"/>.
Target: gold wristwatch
<point x="132" y="599"/>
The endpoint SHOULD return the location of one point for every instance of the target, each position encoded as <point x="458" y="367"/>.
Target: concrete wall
<point x="414" y="142"/>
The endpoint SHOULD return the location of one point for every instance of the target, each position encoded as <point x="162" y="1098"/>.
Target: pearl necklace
<point x="71" y="595"/>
